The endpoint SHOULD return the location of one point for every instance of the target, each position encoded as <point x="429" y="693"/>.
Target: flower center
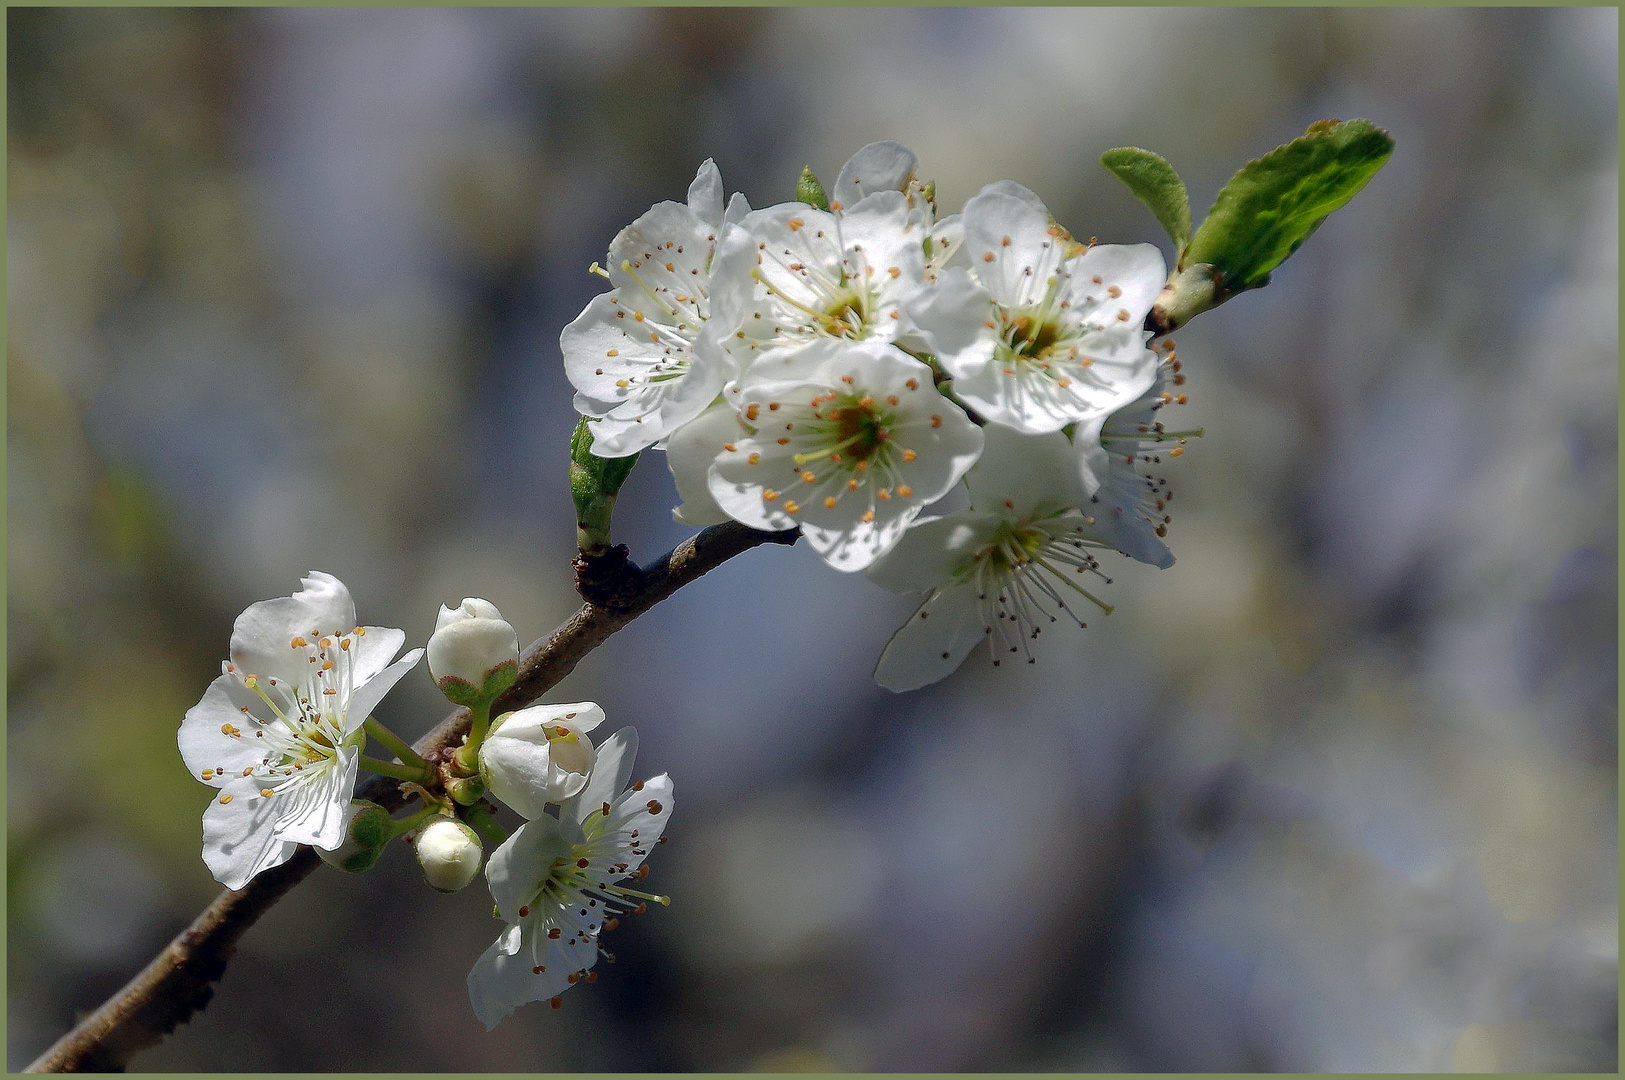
<point x="1034" y="337"/>
<point x="1013" y="547"/>
<point x="844" y="316"/>
<point x="312" y="715"/>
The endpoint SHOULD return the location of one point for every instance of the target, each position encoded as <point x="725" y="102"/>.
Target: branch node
<point x="608" y="579"/>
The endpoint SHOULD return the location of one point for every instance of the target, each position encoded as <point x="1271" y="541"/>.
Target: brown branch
<point x="180" y="980"/>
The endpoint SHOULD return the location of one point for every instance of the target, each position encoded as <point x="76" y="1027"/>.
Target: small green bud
<point x="371" y="828"/>
<point x="810" y="191"/>
<point x="594" y="482"/>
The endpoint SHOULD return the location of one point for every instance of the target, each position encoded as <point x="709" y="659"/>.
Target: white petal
<point x="880" y="166"/>
<point x="935" y="640"/>
<point x="954" y="316"/>
<point x="1120" y="525"/>
<point x="239" y="836"/>
<point x="1094" y="463"/>
<point x="468" y="648"/>
<point x="205" y="747"/>
<point x="519" y="865"/>
<point x="609" y="778"/>
<point x="650" y="809"/>
<point x="1021" y="397"/>
<point x="879" y="235"/>
<point x="948" y="243"/>
<point x="1135" y="269"/>
<point x="1022" y="476"/>
<point x="690" y="450"/>
<point x="260" y="637"/>
<point x="367" y="697"/>
<point x="738" y="207"/>
<point x="932" y="549"/>
<point x="318" y="812"/>
<point x="1016" y="191"/>
<point x="850" y="546"/>
<point x="651" y="246"/>
<point x="372" y="651"/>
<point x="501" y="981"/>
<point x="705" y="195"/>
<point x="1010" y="247"/>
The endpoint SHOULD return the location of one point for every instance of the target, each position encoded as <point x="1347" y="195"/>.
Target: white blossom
<point x="557" y="883"/>
<point x="1038" y="331"/>
<point x="851" y="440"/>
<point x="792" y="274"/>
<point x="540" y="755"/>
<point x="633" y="354"/>
<point x="279" y="733"/>
<point x="1001" y="570"/>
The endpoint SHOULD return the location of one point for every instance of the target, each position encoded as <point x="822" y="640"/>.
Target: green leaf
<point x="810" y="191"/>
<point x="1154" y="183"/>
<point x="1273" y="204"/>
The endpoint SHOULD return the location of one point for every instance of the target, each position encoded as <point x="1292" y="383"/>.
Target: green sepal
<point x="466" y="791"/>
<point x="462" y="692"/>
<point x="1272" y="205"/>
<point x="371" y="829"/>
<point x="594" y="482"/>
<point x="1155" y="183"/>
<point x="810" y="191"/>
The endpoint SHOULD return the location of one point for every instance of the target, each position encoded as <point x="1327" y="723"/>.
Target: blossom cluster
<point x="840" y="367"/>
<point x="281" y="732"/>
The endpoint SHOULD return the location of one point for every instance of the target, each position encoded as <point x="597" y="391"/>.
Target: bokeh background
<point x="1337" y="791"/>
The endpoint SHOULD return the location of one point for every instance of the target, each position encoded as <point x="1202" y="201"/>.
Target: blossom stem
<point x="412" y="821"/>
<point x="480" y="820"/>
<point x="418" y="774"/>
<point x="479" y="722"/>
<point x="392" y="741"/>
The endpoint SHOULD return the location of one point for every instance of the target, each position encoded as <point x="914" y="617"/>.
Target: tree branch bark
<point x="180" y="980"/>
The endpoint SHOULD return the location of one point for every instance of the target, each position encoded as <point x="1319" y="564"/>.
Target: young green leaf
<point x="1155" y="183"/>
<point x="1273" y="204"/>
<point x="810" y="191"/>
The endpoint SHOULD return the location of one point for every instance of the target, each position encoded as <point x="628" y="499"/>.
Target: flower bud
<point x="474" y="652"/>
<point x="540" y="755"/>
<point x="371" y="828"/>
<point x="449" y="853"/>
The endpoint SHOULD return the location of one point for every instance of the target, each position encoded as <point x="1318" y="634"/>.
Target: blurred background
<point x="1337" y="791"/>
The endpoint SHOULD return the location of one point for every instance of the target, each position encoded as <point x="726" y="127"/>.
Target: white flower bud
<point x="449" y="853"/>
<point x="470" y="643"/>
<point x="540" y="755"/>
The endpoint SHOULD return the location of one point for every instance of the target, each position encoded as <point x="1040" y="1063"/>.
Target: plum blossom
<point x="631" y="354"/>
<point x="556" y="882"/>
<point x="1038" y="330"/>
<point x="792" y="274"/>
<point x="850" y="442"/>
<point x="279" y="733"/>
<point x="540" y="755"/>
<point x="1001" y="570"/>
